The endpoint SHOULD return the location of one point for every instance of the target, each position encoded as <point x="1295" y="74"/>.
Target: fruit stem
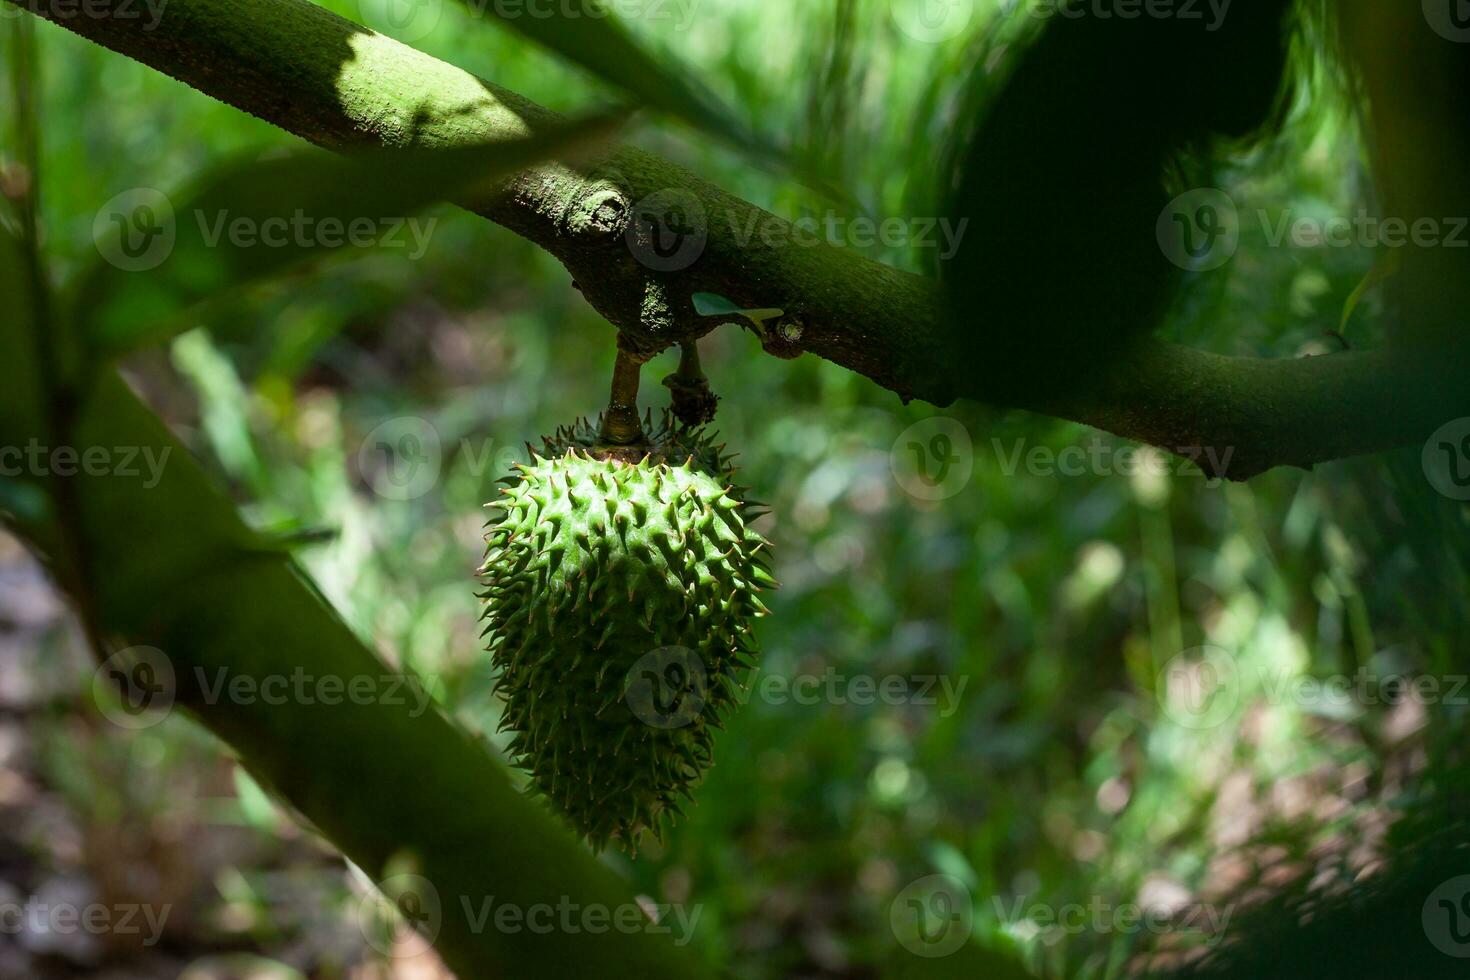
<point x="620" y="423"/>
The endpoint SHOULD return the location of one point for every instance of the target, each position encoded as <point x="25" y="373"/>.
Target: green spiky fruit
<point x="620" y="590"/>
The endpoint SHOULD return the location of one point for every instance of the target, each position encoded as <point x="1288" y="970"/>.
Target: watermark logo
<point x="668" y="230"/>
<point x="136" y="230"/>
<point x="667" y="688"/>
<point x="1446" y="459"/>
<point x="1199" y="688"/>
<point x="403" y="907"/>
<point x="403" y="20"/>
<point x="1446" y="917"/>
<point x="1199" y="230"/>
<point x="933" y="459"/>
<point x="135" y="688"/>
<point x="1450" y="19"/>
<point x="401" y="458"/>
<point x="933" y="916"/>
<point x="932" y="21"/>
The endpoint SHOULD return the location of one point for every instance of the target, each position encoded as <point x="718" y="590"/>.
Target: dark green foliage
<point x="1064" y="183"/>
<point x="619" y="601"/>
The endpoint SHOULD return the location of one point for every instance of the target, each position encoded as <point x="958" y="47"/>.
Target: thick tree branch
<point x="338" y="84"/>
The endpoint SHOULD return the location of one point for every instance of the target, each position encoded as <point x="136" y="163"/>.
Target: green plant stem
<point x="620" y="424"/>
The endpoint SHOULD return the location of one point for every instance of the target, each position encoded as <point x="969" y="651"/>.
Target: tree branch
<point x="338" y="84"/>
<point x="399" y="788"/>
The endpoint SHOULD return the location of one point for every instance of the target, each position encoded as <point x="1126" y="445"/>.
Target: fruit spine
<point x="620" y="586"/>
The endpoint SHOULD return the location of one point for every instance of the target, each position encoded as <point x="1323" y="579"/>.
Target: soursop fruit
<point x="620" y="587"/>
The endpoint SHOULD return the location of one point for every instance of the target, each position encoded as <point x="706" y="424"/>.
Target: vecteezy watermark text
<point x="413" y="20"/>
<point x="128" y="462"/>
<point x="809" y="231"/>
<point x="137" y="688"/>
<point x="65" y="11"/>
<point x="1099" y="915"/>
<point x="96" y="919"/>
<point x="301" y="687"/>
<point x="1209" y="13"/>
<point x="1200" y="230"/>
<point x="406" y="902"/>
<point x="1204" y="687"/>
<point x="668" y="687"/>
<point x="302" y="230"/>
<point x="1102" y="458"/>
<point x="668" y="230"/>
<point x="138" y="230"/>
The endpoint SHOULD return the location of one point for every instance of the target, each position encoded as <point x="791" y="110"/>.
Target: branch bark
<point x="338" y="85"/>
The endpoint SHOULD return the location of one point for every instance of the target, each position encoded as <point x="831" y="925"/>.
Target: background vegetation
<point x="1067" y="772"/>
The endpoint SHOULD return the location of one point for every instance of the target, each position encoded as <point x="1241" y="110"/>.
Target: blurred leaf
<point x="239" y="966"/>
<point x="604" y="47"/>
<point x="23" y="502"/>
<point x="255" y="219"/>
<point x="255" y="803"/>
<point x="1384" y="267"/>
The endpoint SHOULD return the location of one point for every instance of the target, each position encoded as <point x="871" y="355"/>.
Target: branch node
<point x="599" y="212"/>
<point x="782" y="339"/>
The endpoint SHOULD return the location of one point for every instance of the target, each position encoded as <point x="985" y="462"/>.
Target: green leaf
<point x="256" y="806"/>
<point x="1385" y="266"/>
<point x="256" y="219"/>
<point x="713" y="304"/>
